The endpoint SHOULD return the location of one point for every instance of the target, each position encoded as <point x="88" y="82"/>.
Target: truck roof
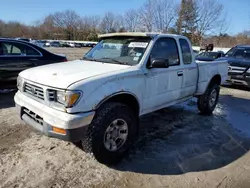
<point x="134" y="34"/>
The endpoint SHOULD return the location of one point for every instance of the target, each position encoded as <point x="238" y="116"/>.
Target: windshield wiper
<point x="89" y="59"/>
<point x="119" y="62"/>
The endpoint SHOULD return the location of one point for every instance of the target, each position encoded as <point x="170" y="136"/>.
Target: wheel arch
<point x="216" y="79"/>
<point x="123" y="97"/>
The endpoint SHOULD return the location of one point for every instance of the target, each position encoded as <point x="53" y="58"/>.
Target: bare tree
<point x="67" y="20"/>
<point x="88" y="27"/>
<point x="164" y="14"/>
<point x="109" y="23"/>
<point x="2" y="27"/>
<point x="147" y="15"/>
<point x="120" y="23"/>
<point x="90" y="22"/>
<point x="131" y="19"/>
<point x="210" y="17"/>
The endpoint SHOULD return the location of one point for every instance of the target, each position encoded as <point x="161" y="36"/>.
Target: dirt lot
<point x="176" y="147"/>
<point x="71" y="53"/>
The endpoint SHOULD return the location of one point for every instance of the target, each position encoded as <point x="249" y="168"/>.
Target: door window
<point x="239" y="53"/>
<point x="166" y="48"/>
<point x="4" y="49"/>
<point x="186" y="52"/>
<point x="17" y="49"/>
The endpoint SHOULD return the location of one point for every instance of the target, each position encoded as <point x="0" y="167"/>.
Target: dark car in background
<point x="238" y="59"/>
<point x="196" y="52"/>
<point x="17" y="55"/>
<point x="65" y="44"/>
<point x="78" y="45"/>
<point x="55" y="44"/>
<point x="209" y="56"/>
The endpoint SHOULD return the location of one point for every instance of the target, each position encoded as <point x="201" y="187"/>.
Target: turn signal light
<point x="59" y="130"/>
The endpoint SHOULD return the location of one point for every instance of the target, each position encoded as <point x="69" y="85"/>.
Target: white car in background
<point x="71" y="44"/>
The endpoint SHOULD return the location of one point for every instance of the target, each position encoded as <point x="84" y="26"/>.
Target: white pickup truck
<point x="100" y="97"/>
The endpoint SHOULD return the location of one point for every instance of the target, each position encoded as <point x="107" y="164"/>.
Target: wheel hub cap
<point x="116" y="135"/>
<point x="213" y="98"/>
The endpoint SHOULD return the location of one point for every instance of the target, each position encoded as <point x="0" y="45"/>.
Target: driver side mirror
<point x="158" y="63"/>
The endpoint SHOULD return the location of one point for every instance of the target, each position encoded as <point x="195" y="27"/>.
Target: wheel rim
<point x="213" y="98"/>
<point x="116" y="135"/>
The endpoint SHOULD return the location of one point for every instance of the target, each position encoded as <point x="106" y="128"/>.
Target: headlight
<point x="68" y="98"/>
<point x="19" y="83"/>
<point x="248" y="71"/>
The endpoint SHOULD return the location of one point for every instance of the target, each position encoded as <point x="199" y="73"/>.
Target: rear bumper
<point x="43" y="119"/>
<point x="239" y="80"/>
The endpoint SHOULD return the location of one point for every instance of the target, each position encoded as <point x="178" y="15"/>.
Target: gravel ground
<point x="71" y="53"/>
<point x="176" y="147"/>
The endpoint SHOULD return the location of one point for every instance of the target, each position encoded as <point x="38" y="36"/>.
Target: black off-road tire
<point x="103" y="118"/>
<point x="203" y="101"/>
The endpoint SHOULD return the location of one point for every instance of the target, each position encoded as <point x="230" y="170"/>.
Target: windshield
<point x="213" y="55"/>
<point x="119" y="50"/>
<point x="239" y="53"/>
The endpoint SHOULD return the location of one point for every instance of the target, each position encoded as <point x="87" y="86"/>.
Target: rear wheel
<point x="208" y="101"/>
<point x="113" y="132"/>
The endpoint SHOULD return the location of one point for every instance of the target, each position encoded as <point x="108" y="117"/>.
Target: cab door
<point x="190" y="69"/>
<point x="163" y="85"/>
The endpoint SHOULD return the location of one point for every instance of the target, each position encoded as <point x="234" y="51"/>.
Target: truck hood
<point x="62" y="75"/>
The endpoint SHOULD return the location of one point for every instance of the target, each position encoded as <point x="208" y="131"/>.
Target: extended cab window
<point x="166" y="48"/>
<point x="186" y="52"/>
<point x="16" y="49"/>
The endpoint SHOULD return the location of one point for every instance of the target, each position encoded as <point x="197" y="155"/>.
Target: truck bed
<point x="207" y="70"/>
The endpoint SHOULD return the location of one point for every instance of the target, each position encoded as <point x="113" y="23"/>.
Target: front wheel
<point x="208" y="101"/>
<point x="113" y="132"/>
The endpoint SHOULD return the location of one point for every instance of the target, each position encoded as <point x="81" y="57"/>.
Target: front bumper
<point x="43" y="118"/>
<point x="239" y="79"/>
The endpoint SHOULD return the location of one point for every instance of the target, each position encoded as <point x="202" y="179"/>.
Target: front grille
<point x="33" y="116"/>
<point x="236" y="69"/>
<point x="34" y="91"/>
<point x="51" y="95"/>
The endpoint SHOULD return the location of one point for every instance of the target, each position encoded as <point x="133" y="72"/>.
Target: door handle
<point x="33" y="59"/>
<point x="180" y="73"/>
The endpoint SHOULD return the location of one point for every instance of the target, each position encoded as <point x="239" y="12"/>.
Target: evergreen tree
<point x="187" y="19"/>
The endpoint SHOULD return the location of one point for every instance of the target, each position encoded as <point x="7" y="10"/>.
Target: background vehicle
<point x="83" y="45"/>
<point x="209" y="56"/>
<point x="55" y="44"/>
<point x="196" y="52"/>
<point x="78" y="45"/>
<point x="65" y="44"/>
<point x="238" y="59"/>
<point x="39" y="43"/>
<point x="124" y="76"/>
<point x="71" y="44"/>
<point x="16" y="56"/>
<point x="46" y="44"/>
<point x="23" y="39"/>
